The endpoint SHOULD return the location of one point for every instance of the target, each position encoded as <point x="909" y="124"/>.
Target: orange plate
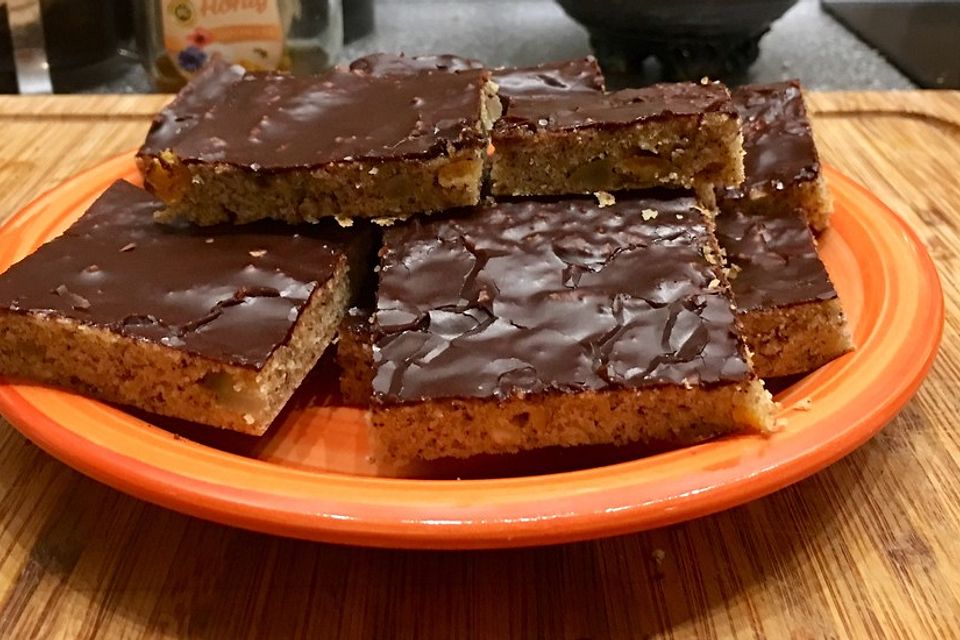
<point x="309" y="477"/>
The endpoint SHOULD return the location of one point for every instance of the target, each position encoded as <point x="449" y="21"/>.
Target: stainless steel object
<point x="29" y="50"/>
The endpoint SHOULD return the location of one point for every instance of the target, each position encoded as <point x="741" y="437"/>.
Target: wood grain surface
<point x="869" y="548"/>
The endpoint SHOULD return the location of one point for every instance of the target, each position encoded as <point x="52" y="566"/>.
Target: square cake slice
<point x="791" y="316"/>
<point x="217" y="326"/>
<point x="534" y="324"/>
<point x="347" y="144"/>
<point x="781" y="163"/>
<point x="582" y="141"/>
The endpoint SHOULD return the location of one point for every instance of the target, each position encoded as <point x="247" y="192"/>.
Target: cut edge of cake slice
<point x="789" y="309"/>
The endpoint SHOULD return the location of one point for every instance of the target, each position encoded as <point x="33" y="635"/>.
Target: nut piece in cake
<point x="582" y="141"/>
<point x="347" y="144"/>
<point x="217" y="326"/>
<point x="791" y="315"/>
<point x="533" y="324"/>
<point x="781" y="163"/>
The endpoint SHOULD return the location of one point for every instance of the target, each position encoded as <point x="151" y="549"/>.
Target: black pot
<point x="82" y="38"/>
<point x="690" y="38"/>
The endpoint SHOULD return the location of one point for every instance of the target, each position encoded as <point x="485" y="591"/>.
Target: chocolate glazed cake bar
<point x="781" y="163"/>
<point x="217" y="326"/>
<point x="582" y="140"/>
<point x="533" y="324"/>
<point x="561" y="133"/>
<point x="347" y="144"/>
<point x="791" y="317"/>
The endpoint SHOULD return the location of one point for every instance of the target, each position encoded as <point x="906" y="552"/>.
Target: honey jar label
<point x="244" y="32"/>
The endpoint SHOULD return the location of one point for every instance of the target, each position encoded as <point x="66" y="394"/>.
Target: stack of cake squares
<point x="546" y="263"/>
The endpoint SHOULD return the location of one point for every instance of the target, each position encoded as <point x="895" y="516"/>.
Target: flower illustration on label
<point x="249" y="32"/>
<point x="191" y="58"/>
<point x="200" y="37"/>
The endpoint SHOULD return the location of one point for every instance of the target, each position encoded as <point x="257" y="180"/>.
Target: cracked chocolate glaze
<point x="385" y="64"/>
<point x="530" y="296"/>
<point x="268" y="122"/>
<point x="179" y="117"/>
<point x="777" y="140"/>
<point x="777" y="258"/>
<point x="230" y="294"/>
<point x="567" y="110"/>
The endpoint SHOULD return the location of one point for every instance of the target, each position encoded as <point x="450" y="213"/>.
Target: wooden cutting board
<point x="867" y="548"/>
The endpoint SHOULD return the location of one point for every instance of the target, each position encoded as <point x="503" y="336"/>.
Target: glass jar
<point x="176" y="37"/>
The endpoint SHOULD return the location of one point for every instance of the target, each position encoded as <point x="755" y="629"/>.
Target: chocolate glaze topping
<point x="230" y="294"/>
<point x="568" y="110"/>
<point x="582" y="74"/>
<point x="531" y="296"/>
<point x="384" y="64"/>
<point x="180" y="116"/>
<point x="275" y="121"/>
<point x="777" y="139"/>
<point x="573" y="76"/>
<point x="777" y="259"/>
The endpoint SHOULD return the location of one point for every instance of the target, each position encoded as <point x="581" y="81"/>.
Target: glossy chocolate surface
<point x="777" y="139"/>
<point x="777" y="259"/>
<point x="230" y="294"/>
<point x="179" y="117"/>
<point x="383" y="64"/>
<point x="276" y="121"/>
<point x="581" y="75"/>
<point x="530" y="296"/>
<point x="568" y="110"/>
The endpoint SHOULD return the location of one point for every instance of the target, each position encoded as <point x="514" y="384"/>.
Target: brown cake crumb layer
<point x="581" y="141"/>
<point x="781" y="163"/>
<point x="357" y="189"/>
<point x="795" y="339"/>
<point x="791" y="316"/>
<point x="667" y="416"/>
<point x="347" y="144"/>
<point x="540" y="323"/>
<point x="217" y="326"/>
<point x="355" y="357"/>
